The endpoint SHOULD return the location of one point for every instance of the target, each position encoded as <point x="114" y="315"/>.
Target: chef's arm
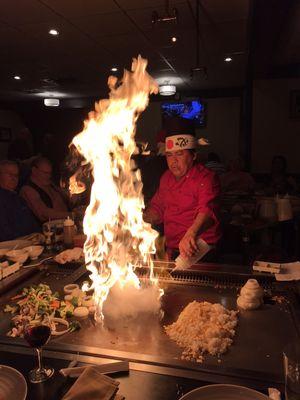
<point x="188" y="245"/>
<point x="151" y="216"/>
<point x="202" y="222"/>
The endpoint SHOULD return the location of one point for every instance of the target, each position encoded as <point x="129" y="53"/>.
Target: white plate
<point x="15" y="244"/>
<point x="12" y="384"/>
<point x="224" y="392"/>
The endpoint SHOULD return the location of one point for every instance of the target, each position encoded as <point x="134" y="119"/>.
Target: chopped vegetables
<point x="74" y="301"/>
<point x="74" y="326"/>
<point x="83" y="304"/>
<point x="55" y="304"/>
<point x="10" y="309"/>
<point x="35" y="303"/>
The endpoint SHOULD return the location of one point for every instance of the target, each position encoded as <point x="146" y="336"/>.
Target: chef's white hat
<point x="183" y="142"/>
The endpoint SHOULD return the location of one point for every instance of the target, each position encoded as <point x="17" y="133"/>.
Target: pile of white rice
<point x="202" y="328"/>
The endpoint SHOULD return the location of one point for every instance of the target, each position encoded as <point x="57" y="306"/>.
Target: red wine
<point x="37" y="336"/>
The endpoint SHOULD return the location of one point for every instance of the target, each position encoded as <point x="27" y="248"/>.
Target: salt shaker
<point x="69" y="232"/>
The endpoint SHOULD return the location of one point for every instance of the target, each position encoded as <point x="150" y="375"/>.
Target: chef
<point x="185" y="201"/>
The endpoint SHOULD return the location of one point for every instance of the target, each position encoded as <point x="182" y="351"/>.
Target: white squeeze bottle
<point x="69" y="232"/>
<point x="184" y="263"/>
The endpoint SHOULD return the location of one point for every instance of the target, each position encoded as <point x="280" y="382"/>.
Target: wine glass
<point x="37" y="336"/>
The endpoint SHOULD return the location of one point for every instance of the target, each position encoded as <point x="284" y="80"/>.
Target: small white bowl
<point x="17" y="255"/>
<point x="34" y="251"/>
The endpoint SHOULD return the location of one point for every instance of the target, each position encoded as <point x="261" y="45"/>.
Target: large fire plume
<point x="118" y="240"/>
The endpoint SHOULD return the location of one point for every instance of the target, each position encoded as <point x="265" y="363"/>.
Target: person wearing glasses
<point x="44" y="198"/>
<point x="16" y="219"/>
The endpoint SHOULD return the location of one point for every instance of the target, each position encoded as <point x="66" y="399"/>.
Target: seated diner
<point x="16" y="219"/>
<point x="44" y="198"/>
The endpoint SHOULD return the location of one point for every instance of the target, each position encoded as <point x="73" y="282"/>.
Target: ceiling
<point x="95" y="35"/>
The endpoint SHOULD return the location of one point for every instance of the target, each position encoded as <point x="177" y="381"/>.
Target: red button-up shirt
<point x="178" y="202"/>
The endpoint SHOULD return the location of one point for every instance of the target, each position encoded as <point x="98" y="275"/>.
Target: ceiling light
<point x="165" y="79"/>
<point x="51" y="102"/>
<point x="227" y="59"/>
<point x="49" y="94"/>
<point x="114" y="69"/>
<point x="17" y="77"/>
<point x="53" y="32"/>
<point x="167" y="90"/>
<point x="174" y="39"/>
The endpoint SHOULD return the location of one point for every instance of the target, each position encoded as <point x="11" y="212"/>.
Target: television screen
<point x="193" y="110"/>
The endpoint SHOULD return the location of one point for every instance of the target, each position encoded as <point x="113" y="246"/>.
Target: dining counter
<point x="156" y="371"/>
<point x="134" y="385"/>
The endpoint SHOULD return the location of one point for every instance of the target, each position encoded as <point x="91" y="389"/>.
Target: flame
<point x="75" y="185"/>
<point x="118" y="240"/>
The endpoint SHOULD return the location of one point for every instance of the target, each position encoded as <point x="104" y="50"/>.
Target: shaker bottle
<point x="69" y="232"/>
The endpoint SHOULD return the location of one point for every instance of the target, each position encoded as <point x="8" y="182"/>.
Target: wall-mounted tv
<point x="194" y="110"/>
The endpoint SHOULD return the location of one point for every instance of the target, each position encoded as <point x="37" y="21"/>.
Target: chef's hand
<point x="188" y="246"/>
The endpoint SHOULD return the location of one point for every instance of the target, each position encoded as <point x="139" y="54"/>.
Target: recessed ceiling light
<point x="167" y="89"/>
<point x="114" y="69"/>
<point x="227" y="59"/>
<point x="51" y="102"/>
<point x="17" y="77"/>
<point x="47" y="94"/>
<point x="53" y="32"/>
<point x="174" y="39"/>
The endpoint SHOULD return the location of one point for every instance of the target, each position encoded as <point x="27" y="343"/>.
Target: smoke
<point x="129" y="301"/>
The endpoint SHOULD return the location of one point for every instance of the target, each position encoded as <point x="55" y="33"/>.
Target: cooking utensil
<point x="38" y="263"/>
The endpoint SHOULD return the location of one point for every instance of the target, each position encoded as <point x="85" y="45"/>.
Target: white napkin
<point x="93" y="385"/>
<point x="107" y="368"/>
<point x="274" y="394"/>
<point x="264" y="266"/>
<point x="289" y="272"/>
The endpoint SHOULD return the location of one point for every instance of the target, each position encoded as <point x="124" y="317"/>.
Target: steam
<point x="129" y="302"/>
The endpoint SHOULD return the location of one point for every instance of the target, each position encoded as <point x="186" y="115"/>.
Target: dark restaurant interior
<point x="197" y="150"/>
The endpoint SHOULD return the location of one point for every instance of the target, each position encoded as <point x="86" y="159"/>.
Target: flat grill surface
<point x="258" y="344"/>
<point x="257" y="349"/>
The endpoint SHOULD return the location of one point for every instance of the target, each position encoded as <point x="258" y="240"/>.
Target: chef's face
<point x="179" y="162"/>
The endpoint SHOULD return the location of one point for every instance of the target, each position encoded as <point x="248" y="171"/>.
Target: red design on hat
<point x="170" y="144"/>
